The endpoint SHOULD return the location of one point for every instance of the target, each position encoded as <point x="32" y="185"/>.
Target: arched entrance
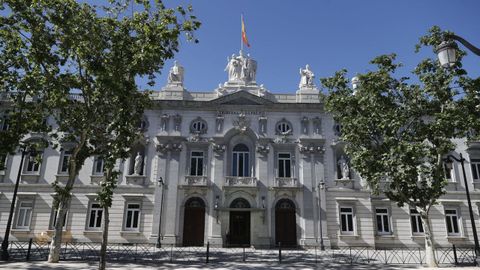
<point x="285" y="223"/>
<point x="194" y="222"/>
<point x="239" y="229"/>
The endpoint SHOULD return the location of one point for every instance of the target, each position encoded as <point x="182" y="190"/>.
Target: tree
<point x="112" y="144"/>
<point x="89" y="58"/>
<point x="21" y="82"/>
<point x="398" y="132"/>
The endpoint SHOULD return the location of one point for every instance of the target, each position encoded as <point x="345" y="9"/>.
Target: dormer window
<point x="284" y="127"/>
<point x="198" y="126"/>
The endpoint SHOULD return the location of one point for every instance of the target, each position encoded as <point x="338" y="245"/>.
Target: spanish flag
<point x="244" y="34"/>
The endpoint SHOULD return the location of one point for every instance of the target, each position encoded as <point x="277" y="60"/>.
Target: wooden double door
<point x="194" y="223"/>
<point x="285" y="223"/>
<point x="239" y="233"/>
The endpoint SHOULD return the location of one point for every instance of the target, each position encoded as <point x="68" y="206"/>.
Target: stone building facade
<point x="236" y="166"/>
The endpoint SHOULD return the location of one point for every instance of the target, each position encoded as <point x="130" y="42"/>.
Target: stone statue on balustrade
<point x="137" y="168"/>
<point x="306" y="77"/>
<point x="344" y="170"/>
<point x="241" y="69"/>
<point x="175" y="76"/>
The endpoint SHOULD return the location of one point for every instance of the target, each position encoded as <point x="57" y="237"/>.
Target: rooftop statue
<point x="241" y="69"/>
<point x="175" y="76"/>
<point x="306" y="79"/>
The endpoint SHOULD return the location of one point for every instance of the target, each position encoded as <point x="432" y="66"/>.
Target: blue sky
<point x="327" y="34"/>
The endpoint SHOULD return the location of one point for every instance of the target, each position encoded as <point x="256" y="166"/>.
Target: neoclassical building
<point x="237" y="166"/>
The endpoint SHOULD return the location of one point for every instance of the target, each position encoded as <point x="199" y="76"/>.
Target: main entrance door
<point x="285" y="224"/>
<point x="194" y="222"/>
<point x="239" y="229"/>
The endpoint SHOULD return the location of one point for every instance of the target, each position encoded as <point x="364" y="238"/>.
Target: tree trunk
<point x="103" y="249"/>
<point x="430" y="259"/>
<point x="64" y="199"/>
<point x="55" y="245"/>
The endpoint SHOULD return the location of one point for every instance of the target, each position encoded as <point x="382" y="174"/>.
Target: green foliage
<point x="398" y="131"/>
<point x="81" y="66"/>
<point x="66" y="60"/>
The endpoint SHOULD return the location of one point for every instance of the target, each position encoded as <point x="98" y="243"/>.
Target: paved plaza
<point x="129" y="266"/>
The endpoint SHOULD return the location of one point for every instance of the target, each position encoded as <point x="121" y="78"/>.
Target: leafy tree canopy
<point x="400" y="131"/>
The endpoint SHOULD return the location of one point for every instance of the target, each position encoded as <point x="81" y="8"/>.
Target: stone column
<point x="170" y="198"/>
<point x="261" y="225"/>
<point x="215" y="196"/>
<point x="161" y="172"/>
<point x="321" y="201"/>
<point x="311" y="178"/>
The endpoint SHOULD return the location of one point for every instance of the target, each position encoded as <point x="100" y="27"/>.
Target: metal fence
<point x="83" y="251"/>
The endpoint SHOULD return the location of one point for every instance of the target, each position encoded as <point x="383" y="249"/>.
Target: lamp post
<point x="446" y="51"/>
<point x="449" y="163"/>
<point x="447" y="56"/>
<point x="32" y="153"/>
<point x="162" y="184"/>
<point x="320" y="187"/>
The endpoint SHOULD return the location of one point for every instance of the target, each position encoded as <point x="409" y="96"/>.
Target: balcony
<point x="286" y="182"/>
<point x="195" y="181"/>
<point x="239" y="181"/>
<point x="96" y="179"/>
<point x="476" y="185"/>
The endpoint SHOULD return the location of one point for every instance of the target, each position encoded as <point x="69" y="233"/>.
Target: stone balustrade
<point x="239" y="181"/>
<point x="286" y="182"/>
<point x="193" y="180"/>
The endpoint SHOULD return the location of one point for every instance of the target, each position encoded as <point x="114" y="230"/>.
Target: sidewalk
<point x="225" y="266"/>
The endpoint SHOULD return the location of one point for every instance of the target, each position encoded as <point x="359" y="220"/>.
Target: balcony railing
<point x="286" y="182"/>
<point x="240" y="181"/>
<point x="11" y="95"/>
<point x="193" y="180"/>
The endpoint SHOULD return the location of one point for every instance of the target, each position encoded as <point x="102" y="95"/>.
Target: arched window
<point x="195" y="202"/>
<point x="143" y="125"/>
<point x="285" y="204"/>
<point x="284" y="127"/>
<point x="198" y="126"/>
<point x="241" y="160"/>
<point x="240" y="203"/>
<point x="337" y="129"/>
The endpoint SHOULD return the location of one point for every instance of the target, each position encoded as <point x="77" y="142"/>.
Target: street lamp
<point x="449" y="164"/>
<point x="446" y="51"/>
<point x="162" y="184"/>
<point x="32" y="153"/>
<point x="321" y="186"/>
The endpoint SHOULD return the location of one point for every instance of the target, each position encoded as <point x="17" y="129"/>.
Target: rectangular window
<point x="452" y="222"/>
<point x="448" y="172"/>
<point x="475" y="164"/>
<point x="64" y="162"/>
<point x="284" y="165"/>
<point x="4" y="125"/>
<point x="3" y="162"/>
<point x="241" y="164"/>
<point x="346" y="220"/>
<point x="383" y="224"/>
<point x="53" y="219"/>
<point x="95" y="216"/>
<point x="98" y="166"/>
<point x="132" y="217"/>
<point x="416" y="222"/>
<point x="196" y="163"/>
<point x="32" y="164"/>
<point x="24" y="214"/>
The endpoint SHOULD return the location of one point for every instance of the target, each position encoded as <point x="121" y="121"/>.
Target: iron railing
<point x="141" y="252"/>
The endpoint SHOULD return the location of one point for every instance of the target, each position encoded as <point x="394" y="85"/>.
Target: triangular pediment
<point x="241" y="98"/>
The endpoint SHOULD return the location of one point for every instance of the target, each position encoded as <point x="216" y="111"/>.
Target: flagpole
<point x="241" y="33"/>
